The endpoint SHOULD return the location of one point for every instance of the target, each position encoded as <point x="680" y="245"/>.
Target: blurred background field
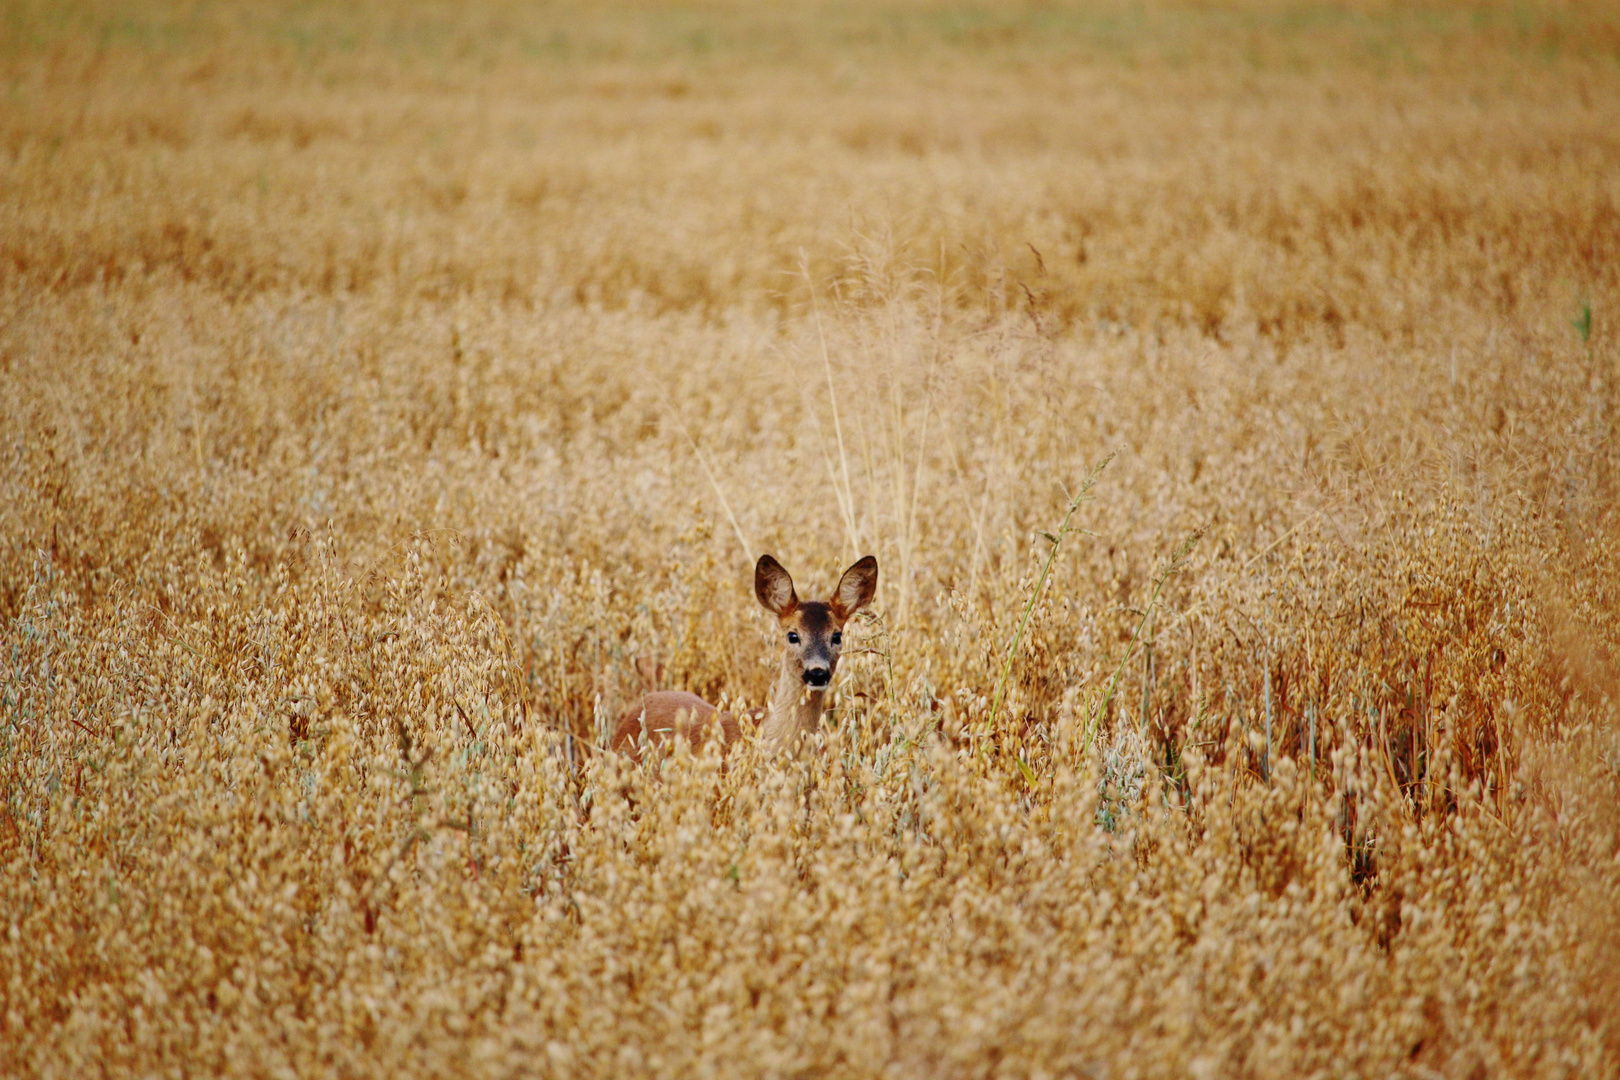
<point x="393" y="392"/>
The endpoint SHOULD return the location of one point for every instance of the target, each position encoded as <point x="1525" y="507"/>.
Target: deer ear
<point x="774" y="587"/>
<point x="856" y="588"/>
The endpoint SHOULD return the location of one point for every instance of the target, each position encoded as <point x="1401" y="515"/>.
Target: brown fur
<point x="666" y="713"/>
<point x="796" y="705"/>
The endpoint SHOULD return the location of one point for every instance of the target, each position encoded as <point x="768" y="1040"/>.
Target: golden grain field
<point x="394" y="392"/>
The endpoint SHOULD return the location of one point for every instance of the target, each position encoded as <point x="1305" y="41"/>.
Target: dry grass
<point x="392" y="393"/>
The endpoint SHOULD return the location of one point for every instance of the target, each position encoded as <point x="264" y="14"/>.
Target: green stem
<point x="1170" y="570"/>
<point x="1084" y="495"/>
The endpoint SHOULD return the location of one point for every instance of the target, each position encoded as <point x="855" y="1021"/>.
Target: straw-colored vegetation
<point x="392" y="393"/>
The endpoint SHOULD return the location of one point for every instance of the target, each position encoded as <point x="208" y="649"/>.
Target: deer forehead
<point x="813" y="619"/>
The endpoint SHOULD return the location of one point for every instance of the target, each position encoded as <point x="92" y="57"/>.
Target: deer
<point x="813" y="635"/>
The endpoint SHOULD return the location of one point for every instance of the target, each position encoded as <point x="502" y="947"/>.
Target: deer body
<point x="813" y="633"/>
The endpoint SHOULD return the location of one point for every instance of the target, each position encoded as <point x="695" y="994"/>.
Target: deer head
<point x="813" y="630"/>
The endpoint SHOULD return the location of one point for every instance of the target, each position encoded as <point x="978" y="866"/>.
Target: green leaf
<point x="1583" y="322"/>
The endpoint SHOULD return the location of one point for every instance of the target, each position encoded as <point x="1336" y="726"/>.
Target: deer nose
<point x="817" y="676"/>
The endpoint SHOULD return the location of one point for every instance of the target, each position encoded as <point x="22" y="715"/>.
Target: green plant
<point x="1054" y="542"/>
<point x="1172" y="566"/>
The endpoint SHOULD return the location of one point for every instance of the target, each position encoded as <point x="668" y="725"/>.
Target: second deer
<point x="813" y="634"/>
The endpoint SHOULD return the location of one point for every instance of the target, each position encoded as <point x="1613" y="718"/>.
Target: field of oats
<point x="392" y="393"/>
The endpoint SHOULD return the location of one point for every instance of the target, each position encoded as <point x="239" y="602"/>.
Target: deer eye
<point x="837" y="638"/>
<point x="793" y="638"/>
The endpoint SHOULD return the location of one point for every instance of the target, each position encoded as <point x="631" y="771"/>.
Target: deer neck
<point x="795" y="710"/>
